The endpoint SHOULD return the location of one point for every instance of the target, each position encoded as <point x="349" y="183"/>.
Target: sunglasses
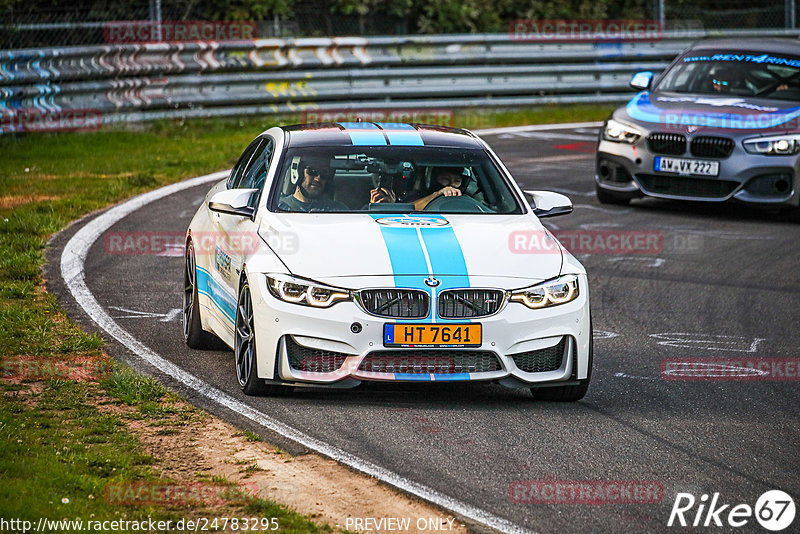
<point x="719" y="82"/>
<point x="312" y="171"/>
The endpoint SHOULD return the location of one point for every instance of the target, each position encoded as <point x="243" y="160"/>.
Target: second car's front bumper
<point x="628" y="171"/>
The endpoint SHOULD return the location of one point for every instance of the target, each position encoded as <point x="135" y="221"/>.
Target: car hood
<point x="723" y="112"/>
<point x="506" y="251"/>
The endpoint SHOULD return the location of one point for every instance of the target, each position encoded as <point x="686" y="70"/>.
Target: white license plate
<point x="697" y="167"/>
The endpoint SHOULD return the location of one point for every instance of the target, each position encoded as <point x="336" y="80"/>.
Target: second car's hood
<point x="726" y="112"/>
<point x="464" y="249"/>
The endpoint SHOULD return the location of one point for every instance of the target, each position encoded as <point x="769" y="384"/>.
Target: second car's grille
<point x="684" y="186"/>
<point x="430" y="361"/>
<point x="711" y="147"/>
<point x="667" y="143"/>
<point x="313" y="360"/>
<point x="400" y="303"/>
<point x="461" y="303"/>
<point x="540" y="361"/>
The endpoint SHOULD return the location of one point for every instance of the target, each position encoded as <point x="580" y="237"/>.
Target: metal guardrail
<point x="138" y="82"/>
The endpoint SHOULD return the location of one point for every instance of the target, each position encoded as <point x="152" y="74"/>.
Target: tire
<point x="244" y="350"/>
<point x="568" y="393"/>
<point x="604" y="197"/>
<point x="193" y="333"/>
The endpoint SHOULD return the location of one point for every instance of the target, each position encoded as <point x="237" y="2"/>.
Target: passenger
<point x="447" y="182"/>
<point x="382" y="194"/>
<point x="313" y="190"/>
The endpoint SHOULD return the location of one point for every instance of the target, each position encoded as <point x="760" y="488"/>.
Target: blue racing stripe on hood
<point x="446" y="256"/>
<point x="640" y="107"/>
<point x="408" y="244"/>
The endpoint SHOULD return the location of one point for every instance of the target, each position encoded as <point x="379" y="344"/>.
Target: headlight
<point x="552" y="293"/>
<point x="298" y="291"/>
<point x="620" y="133"/>
<point x="779" y="145"/>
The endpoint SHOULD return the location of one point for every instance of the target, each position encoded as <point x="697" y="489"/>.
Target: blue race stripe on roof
<point x="364" y="133"/>
<point x="401" y="134"/>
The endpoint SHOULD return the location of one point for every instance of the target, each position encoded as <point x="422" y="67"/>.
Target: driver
<point x="314" y="183"/>
<point x="447" y="182"/>
<point x="726" y="79"/>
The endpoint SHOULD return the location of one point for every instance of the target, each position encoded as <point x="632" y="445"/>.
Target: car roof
<point x="378" y="134"/>
<point x="774" y="45"/>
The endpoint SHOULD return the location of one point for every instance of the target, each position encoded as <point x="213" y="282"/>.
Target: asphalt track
<point x="724" y="283"/>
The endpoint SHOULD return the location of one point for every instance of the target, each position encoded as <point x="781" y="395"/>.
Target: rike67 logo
<point x="774" y="510"/>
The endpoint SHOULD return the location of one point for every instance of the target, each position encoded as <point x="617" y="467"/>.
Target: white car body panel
<point x="355" y="251"/>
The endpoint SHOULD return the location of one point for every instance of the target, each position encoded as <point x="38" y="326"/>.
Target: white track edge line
<point x="73" y="259"/>
<point x="537" y="127"/>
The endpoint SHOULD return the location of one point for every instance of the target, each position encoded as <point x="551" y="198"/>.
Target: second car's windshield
<point x="391" y="179"/>
<point x="743" y="74"/>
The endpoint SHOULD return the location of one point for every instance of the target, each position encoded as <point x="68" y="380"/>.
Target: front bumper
<point x="520" y="347"/>
<point x="627" y="171"/>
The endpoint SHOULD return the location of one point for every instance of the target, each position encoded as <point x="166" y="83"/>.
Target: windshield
<point x="747" y="74"/>
<point x="391" y="180"/>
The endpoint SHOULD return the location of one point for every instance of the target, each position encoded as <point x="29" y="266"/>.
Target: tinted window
<point x="256" y="170"/>
<point x="394" y="179"/>
<point x="238" y="169"/>
<point x="744" y="74"/>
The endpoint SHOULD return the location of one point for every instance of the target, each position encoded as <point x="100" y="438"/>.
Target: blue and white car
<point x="721" y="123"/>
<point x="340" y="253"/>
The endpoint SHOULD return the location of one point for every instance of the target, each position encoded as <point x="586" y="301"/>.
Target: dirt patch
<point x="13" y="201"/>
<point x="206" y="448"/>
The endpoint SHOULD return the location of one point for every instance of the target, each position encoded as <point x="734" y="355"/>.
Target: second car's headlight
<point x="552" y="293"/>
<point x="779" y="145"/>
<point x="620" y="133"/>
<point x="298" y="291"/>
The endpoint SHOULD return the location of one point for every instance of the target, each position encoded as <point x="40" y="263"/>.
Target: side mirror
<point x="642" y="80"/>
<point x="233" y="202"/>
<point x="549" y="204"/>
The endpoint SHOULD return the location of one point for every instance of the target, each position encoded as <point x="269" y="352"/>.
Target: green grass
<point x="57" y="444"/>
<point x="249" y="436"/>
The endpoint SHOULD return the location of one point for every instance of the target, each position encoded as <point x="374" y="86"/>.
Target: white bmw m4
<point x="339" y="253"/>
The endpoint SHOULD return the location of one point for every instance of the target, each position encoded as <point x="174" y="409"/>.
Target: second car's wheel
<point x="604" y="197"/>
<point x="569" y="393"/>
<point x="244" y="349"/>
<point x="193" y="333"/>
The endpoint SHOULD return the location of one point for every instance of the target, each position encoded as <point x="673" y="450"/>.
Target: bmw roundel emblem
<point x="432" y="282"/>
<point x="412" y="221"/>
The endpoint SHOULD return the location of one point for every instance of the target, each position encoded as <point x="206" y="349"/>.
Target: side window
<point x="241" y="165"/>
<point x="256" y="172"/>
